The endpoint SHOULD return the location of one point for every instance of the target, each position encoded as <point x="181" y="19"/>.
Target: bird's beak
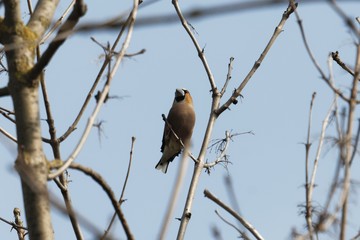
<point x="179" y="92"/>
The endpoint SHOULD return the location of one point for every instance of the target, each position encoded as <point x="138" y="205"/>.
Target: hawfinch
<point x="181" y="118"/>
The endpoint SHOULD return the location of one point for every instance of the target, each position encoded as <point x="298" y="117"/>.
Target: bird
<point x="181" y="119"/>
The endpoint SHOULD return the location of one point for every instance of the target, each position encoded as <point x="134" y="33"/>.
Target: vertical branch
<point x="20" y="230"/>
<point x="19" y="41"/>
<point x="175" y="193"/>
<point x="318" y="152"/>
<point x="348" y="144"/>
<point x="308" y="213"/>
<point x="55" y="145"/>
<point x="185" y="218"/>
<point x="215" y="110"/>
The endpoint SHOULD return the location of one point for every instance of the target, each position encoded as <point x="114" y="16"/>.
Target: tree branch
<point x="78" y="11"/>
<point x="232" y="100"/>
<point x="245" y="223"/>
<point x="308" y="210"/>
<point x="313" y="59"/>
<point x="335" y="56"/>
<point x="196" y="44"/>
<point x="98" y="179"/>
<point x="104" y="92"/>
<point x="121" y="199"/>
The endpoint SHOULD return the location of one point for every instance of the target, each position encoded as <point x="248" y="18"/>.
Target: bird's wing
<point x="166" y="137"/>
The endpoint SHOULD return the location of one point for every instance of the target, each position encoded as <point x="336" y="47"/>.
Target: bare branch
<point x="349" y="22"/>
<point x="336" y="58"/>
<point x="233" y="201"/>
<point x="98" y="179"/>
<point x="195" y="13"/>
<point x="20" y="230"/>
<point x="105" y="91"/>
<point x="319" y="149"/>
<point x="196" y="44"/>
<point x="4" y="91"/>
<point x="231" y="225"/>
<point x="228" y="76"/>
<point x="17" y="225"/>
<point x="42" y="16"/>
<point x="8" y="135"/>
<point x="245" y="223"/>
<point x="121" y="200"/>
<point x="348" y="144"/>
<point x="57" y="23"/>
<point x="78" y="11"/>
<point x="313" y="59"/>
<point x="6" y="114"/>
<point x="223" y="150"/>
<point x="215" y="112"/>
<point x="12" y="12"/>
<point x="232" y="100"/>
<point x="308" y="213"/>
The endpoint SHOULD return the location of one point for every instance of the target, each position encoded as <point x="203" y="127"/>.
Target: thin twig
<point x="121" y="200"/>
<point x="233" y="201"/>
<point x="194" y="14"/>
<point x="199" y="50"/>
<point x="17" y="225"/>
<point x="308" y="213"/>
<point x="105" y="65"/>
<point x="313" y="59"/>
<point x="228" y="76"/>
<point x="318" y="152"/>
<point x="335" y="56"/>
<point x="232" y="225"/>
<point x="8" y="135"/>
<point x="223" y="151"/>
<point x="98" y="179"/>
<point x="105" y="91"/>
<point x="57" y="23"/>
<point x="349" y="21"/>
<point x="20" y="231"/>
<point x="233" y="99"/>
<point x="214" y="114"/>
<point x="78" y="11"/>
<point x="244" y="222"/>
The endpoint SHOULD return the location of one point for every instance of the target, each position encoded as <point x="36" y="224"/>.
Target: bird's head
<point x="183" y="95"/>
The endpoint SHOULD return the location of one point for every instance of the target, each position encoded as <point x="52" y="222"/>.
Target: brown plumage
<point x="181" y="118"/>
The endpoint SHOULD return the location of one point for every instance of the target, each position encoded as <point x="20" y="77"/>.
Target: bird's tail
<point x="163" y="166"/>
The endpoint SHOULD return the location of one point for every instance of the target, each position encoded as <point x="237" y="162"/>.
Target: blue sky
<point x="267" y="168"/>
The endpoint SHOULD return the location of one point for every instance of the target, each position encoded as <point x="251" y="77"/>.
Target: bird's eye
<point x="180" y="98"/>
